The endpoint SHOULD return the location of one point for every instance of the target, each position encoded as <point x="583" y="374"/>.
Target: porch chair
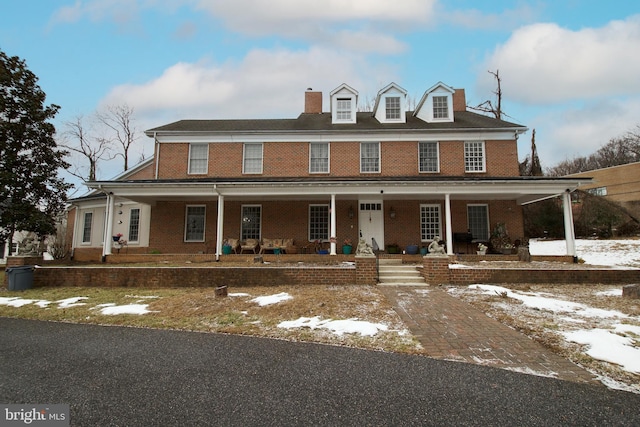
<point x="235" y="245"/>
<point x="249" y="245"/>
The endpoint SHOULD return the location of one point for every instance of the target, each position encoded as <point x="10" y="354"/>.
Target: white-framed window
<point x="440" y="107"/>
<point x="319" y="157"/>
<point x="198" y="158"/>
<point x="474" y="158"/>
<point x="430" y="222"/>
<point x="392" y="107"/>
<point x="194" y="223"/>
<point x="251" y="220"/>
<point x="252" y="158"/>
<point x="369" y="157"/>
<point x="134" y="225"/>
<point x="86" y="227"/>
<point x="318" y="222"/>
<point x="343" y="109"/>
<point x="478" y="221"/>
<point x="428" y="154"/>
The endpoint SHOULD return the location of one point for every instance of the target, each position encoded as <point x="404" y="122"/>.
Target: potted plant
<point x="412" y="249"/>
<point x="226" y="247"/>
<point x="393" y="248"/>
<point x="347" y="246"/>
<point x="117" y="237"/>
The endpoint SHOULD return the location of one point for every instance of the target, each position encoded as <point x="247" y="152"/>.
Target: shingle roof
<point x="322" y="122"/>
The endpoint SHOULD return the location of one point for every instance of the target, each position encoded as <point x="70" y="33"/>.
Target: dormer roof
<point x="397" y="104"/>
<point x="425" y="108"/>
<point x="343" y="101"/>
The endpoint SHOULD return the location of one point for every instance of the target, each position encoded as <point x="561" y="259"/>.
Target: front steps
<point x="391" y="272"/>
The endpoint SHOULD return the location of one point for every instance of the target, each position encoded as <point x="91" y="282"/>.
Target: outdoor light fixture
<point x="351" y="214"/>
<point x="392" y="213"/>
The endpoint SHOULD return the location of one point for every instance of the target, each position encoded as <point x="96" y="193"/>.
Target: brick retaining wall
<point x="166" y="277"/>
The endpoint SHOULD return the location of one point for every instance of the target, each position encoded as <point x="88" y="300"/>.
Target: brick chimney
<point x="312" y="102"/>
<point x="459" y="100"/>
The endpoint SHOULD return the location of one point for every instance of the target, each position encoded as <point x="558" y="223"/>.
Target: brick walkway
<point x="451" y="329"/>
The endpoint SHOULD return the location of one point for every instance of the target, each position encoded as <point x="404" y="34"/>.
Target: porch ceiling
<point x="523" y="190"/>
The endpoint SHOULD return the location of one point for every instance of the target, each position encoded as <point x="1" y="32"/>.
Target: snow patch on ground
<point x="271" y="299"/>
<point x="338" y="327"/>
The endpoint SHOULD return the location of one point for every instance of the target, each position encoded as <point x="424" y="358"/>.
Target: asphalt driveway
<point x="125" y="376"/>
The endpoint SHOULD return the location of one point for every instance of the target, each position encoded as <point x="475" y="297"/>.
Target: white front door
<point x="371" y="222"/>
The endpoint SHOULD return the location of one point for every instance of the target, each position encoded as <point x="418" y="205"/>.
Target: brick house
<point x="392" y="176"/>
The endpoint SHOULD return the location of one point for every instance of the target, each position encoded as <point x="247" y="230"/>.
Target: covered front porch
<point x="379" y="211"/>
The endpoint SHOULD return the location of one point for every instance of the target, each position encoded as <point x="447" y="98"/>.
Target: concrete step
<point x="393" y="272"/>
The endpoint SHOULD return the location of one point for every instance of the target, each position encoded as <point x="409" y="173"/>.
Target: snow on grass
<point x="610" y="293"/>
<point x="338" y="327"/>
<point x="71" y="302"/>
<point x="537" y="301"/>
<point x="112" y="310"/>
<point x="238" y="294"/>
<point x="15" y="301"/>
<point x="271" y="299"/>
<point x="606" y="345"/>
<point x="619" y="252"/>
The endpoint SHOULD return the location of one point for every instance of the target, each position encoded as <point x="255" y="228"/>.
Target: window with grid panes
<point x="134" y="225"/>
<point x="478" y="221"/>
<point x="194" y="227"/>
<point x="440" y="107"/>
<point x="251" y="217"/>
<point x="474" y="159"/>
<point x="369" y="157"/>
<point x="430" y="225"/>
<point x="428" y="153"/>
<point x="319" y="157"/>
<point x="318" y="222"/>
<point x="252" y="162"/>
<point x="86" y="228"/>
<point x="343" y="109"/>
<point x="198" y="158"/>
<point x="392" y="107"/>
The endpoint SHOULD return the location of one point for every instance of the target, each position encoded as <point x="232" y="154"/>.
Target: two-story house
<point x="390" y="175"/>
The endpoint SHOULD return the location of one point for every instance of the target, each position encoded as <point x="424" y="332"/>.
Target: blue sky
<point x="570" y="69"/>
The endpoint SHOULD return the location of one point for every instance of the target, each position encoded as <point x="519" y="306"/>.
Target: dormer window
<point x="392" y="104"/>
<point x="436" y="104"/>
<point x="343" y="104"/>
<point x="440" y="107"/>
<point x="343" y="109"/>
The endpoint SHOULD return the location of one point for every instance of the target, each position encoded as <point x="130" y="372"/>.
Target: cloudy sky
<point x="570" y="69"/>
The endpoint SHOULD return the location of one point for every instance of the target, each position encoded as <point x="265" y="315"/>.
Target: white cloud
<point x="581" y="131"/>
<point x="264" y="84"/>
<point x="506" y="19"/>
<point x="544" y="63"/>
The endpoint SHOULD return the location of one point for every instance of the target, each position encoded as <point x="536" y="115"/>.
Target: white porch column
<point x="220" y="227"/>
<point x="449" y="229"/>
<point x="332" y="232"/>
<point x="107" y="241"/>
<point x="569" y="231"/>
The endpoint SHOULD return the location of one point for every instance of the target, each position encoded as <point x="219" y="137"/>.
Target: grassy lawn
<point x="199" y="309"/>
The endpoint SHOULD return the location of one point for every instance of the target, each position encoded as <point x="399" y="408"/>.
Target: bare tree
<point x="488" y="106"/>
<point x="531" y="165"/>
<point x="92" y="149"/>
<point x="119" y="119"/>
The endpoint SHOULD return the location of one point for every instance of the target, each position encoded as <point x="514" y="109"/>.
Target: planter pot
<point x="226" y="250"/>
<point x="116" y="238"/>
<point x="412" y="249"/>
<point x="481" y="252"/>
<point x="346" y="249"/>
<point x="424" y="251"/>
<point x="323" y="252"/>
<point x="392" y="249"/>
<point x="506" y="251"/>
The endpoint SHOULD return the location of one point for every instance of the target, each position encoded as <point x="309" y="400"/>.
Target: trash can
<point x="20" y="278"/>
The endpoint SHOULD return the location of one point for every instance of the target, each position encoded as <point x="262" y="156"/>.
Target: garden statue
<point x="437" y="246"/>
<point x="364" y="249"/>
